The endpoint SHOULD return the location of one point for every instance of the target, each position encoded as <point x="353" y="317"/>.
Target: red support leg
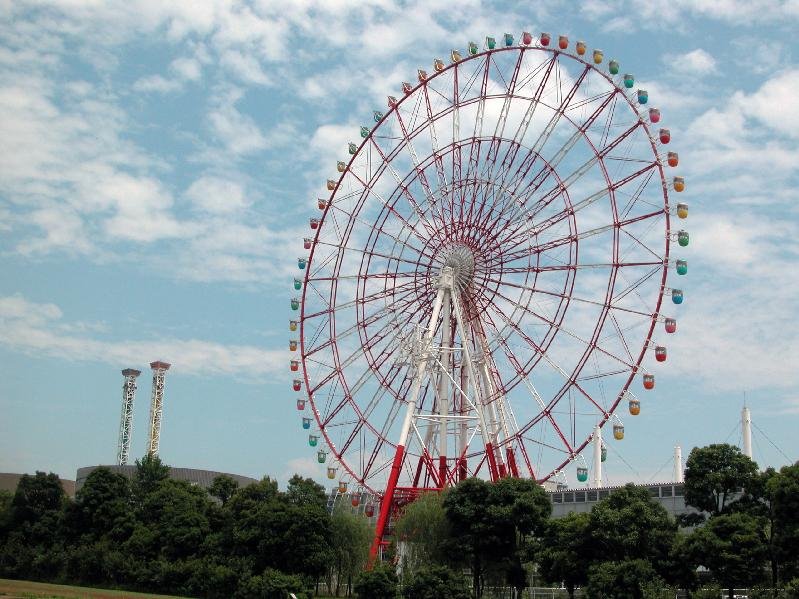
<point x="385" y="505"/>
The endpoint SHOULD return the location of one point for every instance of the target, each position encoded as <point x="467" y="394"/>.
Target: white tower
<point x="126" y="421"/>
<point x="156" y="406"/>
<point x="746" y="427"/>
<point x="597" y="456"/>
<point x="678" y="475"/>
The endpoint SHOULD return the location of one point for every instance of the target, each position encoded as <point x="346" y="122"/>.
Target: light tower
<point x="678" y="475"/>
<point x="746" y="427"/>
<point x="126" y="421"/>
<point x="597" y="456"/>
<point x="156" y="406"/>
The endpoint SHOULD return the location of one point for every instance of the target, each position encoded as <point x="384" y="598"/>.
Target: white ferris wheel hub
<point x="460" y="259"/>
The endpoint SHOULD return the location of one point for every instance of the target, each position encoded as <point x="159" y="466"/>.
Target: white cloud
<point x="237" y="131"/>
<point x="695" y="62"/>
<point x="38" y="329"/>
<point x="188" y="69"/>
<point x="157" y="83"/>
<point x="216" y="195"/>
<point x="245" y="67"/>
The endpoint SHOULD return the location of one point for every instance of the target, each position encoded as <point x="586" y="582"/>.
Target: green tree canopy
<point x="715" y="474"/>
<point x="629" y="525"/>
<point x="37" y="496"/>
<point x="150" y="471"/>
<point x="565" y="551"/>
<point x="490" y="523"/>
<point x="102" y="506"/>
<point x="306" y="491"/>
<point x="436" y="582"/>
<point x="782" y="490"/>
<point x="624" y="579"/>
<point x="223" y="487"/>
<point x="732" y="547"/>
<point x="423" y="529"/>
<point x="378" y="583"/>
<point x="351" y="535"/>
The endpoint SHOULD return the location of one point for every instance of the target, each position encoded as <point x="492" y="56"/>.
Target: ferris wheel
<point x="484" y="284"/>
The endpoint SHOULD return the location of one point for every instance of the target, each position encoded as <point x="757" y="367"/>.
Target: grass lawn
<point x="22" y="589"/>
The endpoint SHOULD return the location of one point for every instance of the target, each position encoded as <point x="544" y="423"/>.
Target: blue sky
<point x="160" y="162"/>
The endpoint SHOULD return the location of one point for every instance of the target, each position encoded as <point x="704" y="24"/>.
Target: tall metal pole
<point x="597" y="456"/>
<point x="678" y="476"/>
<point x="156" y="406"/>
<point x="126" y="420"/>
<point x="746" y="426"/>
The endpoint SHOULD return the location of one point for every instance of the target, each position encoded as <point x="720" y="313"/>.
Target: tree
<point x="6" y="497"/>
<point x="306" y="491"/>
<point x="731" y="546"/>
<point x="172" y="522"/>
<point x="625" y="579"/>
<point x="150" y="472"/>
<point x="714" y="475"/>
<point x="223" y="487"/>
<point x="378" y="583"/>
<point x="565" y="551"/>
<point x="272" y="584"/>
<point x="491" y="522"/>
<point x="423" y="530"/>
<point x="351" y="535"/>
<point x="782" y="490"/>
<point x="36" y="497"/>
<point x="102" y="506"/>
<point x="628" y="525"/>
<point x="436" y="582"/>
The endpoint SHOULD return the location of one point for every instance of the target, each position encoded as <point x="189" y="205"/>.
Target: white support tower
<point x="597" y="456"/>
<point x="746" y="428"/>
<point x="678" y="475"/>
<point x="126" y="421"/>
<point x="156" y="406"/>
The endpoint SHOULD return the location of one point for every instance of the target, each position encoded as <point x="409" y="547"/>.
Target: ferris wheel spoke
<point x="549" y="168"/>
<point x="522" y="374"/>
<point x="559" y="327"/>
<point x="477" y="133"/>
<point x="569" y="297"/>
<point x="569" y="380"/>
<point x="566" y="182"/>
<point x="582" y="204"/>
<point x="378" y="275"/>
<point x="635" y="285"/>
<point x="420" y="171"/>
<point x="382" y="294"/>
<point x="372" y="252"/>
<point x="439" y="162"/>
<point x="397" y="240"/>
<point x="559" y="112"/>
<point x="534" y="103"/>
<point x="367" y="321"/>
<point x="499" y="128"/>
<point x="369" y="189"/>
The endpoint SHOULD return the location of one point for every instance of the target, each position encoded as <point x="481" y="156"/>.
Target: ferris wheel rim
<point x="655" y="315"/>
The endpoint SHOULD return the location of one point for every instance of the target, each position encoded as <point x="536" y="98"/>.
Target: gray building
<point x="669" y="495"/>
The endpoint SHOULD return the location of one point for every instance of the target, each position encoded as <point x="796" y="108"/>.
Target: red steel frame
<point x="520" y="173"/>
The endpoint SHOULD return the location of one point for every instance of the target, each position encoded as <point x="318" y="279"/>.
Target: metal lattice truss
<point x="126" y="420"/>
<point x="156" y="406"/>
